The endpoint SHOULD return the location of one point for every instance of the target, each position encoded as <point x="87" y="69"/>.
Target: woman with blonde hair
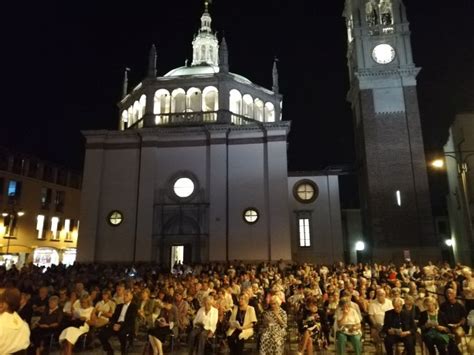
<point x="241" y="323"/>
<point x="434" y="327"/>
<point x="274" y="328"/>
<point x="81" y="319"/>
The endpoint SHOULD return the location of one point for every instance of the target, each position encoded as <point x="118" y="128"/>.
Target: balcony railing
<point x="185" y="118"/>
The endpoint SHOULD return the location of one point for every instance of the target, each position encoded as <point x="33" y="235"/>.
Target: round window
<point x="183" y="187"/>
<point x="115" y="218"/>
<point x="251" y="215"/>
<point x="305" y="191"/>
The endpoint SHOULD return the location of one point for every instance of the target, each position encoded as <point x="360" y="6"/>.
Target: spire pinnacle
<point x="125" y="83"/>
<point x="205" y="44"/>
<point x="152" y="62"/>
<point x="223" y="56"/>
<point x="276" y="87"/>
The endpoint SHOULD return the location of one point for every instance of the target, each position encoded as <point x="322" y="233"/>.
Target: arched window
<point x="162" y="102"/>
<point x="247" y="107"/>
<point x="235" y="102"/>
<point x="258" y="110"/>
<point x="131" y="119"/>
<point x="269" y="112"/>
<point x="178" y="102"/>
<point x="136" y="111"/>
<point x="210" y="100"/>
<point x="194" y="100"/>
<point x="203" y="53"/>
<point x="142" y="105"/>
<point x="162" y="105"/>
<point x="371" y="13"/>
<point x="386" y="13"/>
<point x="124" y="120"/>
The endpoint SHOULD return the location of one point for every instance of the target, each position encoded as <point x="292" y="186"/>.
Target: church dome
<point x="203" y="69"/>
<point x="193" y="70"/>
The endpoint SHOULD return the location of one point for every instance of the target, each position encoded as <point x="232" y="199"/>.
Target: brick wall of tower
<point x="391" y="150"/>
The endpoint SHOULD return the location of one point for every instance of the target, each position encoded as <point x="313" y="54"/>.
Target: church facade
<point x="197" y="171"/>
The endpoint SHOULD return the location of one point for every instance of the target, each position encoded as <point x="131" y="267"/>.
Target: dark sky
<point x="71" y="55"/>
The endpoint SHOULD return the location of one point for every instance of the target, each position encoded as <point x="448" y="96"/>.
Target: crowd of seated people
<point x="208" y="308"/>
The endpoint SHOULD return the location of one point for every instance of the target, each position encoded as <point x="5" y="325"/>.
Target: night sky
<point x="71" y="55"/>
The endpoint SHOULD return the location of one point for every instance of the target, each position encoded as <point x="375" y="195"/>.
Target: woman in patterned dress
<point x="273" y="337"/>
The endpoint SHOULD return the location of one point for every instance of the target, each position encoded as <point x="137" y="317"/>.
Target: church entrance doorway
<point x="180" y="254"/>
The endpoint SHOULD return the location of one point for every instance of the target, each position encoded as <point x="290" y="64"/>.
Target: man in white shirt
<point x="205" y="324"/>
<point x="14" y="332"/>
<point x="377" y="309"/>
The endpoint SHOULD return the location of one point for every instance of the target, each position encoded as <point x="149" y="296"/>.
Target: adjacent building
<point x="459" y="157"/>
<point x="39" y="205"/>
<point x="197" y="172"/>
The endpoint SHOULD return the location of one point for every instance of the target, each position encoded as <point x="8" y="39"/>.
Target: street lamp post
<point x="462" y="171"/>
<point x="13" y="213"/>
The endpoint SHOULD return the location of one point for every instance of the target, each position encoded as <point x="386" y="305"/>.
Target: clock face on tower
<point x="383" y="53"/>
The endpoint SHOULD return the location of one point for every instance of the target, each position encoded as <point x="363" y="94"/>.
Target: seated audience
<point x="104" y="309"/>
<point x="14" y="332"/>
<point x="241" y="324"/>
<point x="434" y="328"/>
<point x="79" y="325"/>
<point x="47" y="326"/>
<point x="274" y="323"/>
<point x="455" y="314"/>
<point x="348" y="327"/>
<point x="204" y="326"/>
<point x="399" y="327"/>
<point x="121" y="324"/>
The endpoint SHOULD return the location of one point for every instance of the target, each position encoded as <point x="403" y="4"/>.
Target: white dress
<point x="71" y="334"/>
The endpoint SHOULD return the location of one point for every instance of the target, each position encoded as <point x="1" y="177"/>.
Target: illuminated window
<point x="251" y="215"/>
<point x="40" y="225"/>
<point x="67" y="229"/>
<point x="54" y="228"/>
<point x="14" y="188"/>
<point x="183" y="187"/>
<point x="115" y="218"/>
<point x="398" y="196"/>
<point x="304" y="232"/>
<point x="305" y="191"/>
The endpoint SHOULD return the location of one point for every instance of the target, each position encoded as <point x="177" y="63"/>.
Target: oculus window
<point x="115" y="218"/>
<point x="251" y="215"/>
<point x="183" y="187"/>
<point x="305" y="191"/>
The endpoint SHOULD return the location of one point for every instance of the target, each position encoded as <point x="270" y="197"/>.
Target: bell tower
<point x="393" y="183"/>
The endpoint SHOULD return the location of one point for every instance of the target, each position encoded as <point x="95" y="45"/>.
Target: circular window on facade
<point x="305" y="191"/>
<point x="115" y="218"/>
<point x="183" y="187"/>
<point x="251" y="215"/>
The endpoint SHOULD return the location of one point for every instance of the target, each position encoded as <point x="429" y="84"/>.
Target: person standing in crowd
<point x="48" y="325"/>
<point x="204" y="326"/>
<point x="399" y="327"/>
<point x="14" y="332"/>
<point x="121" y="324"/>
<point x="273" y="337"/>
<point x="241" y="324"/>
